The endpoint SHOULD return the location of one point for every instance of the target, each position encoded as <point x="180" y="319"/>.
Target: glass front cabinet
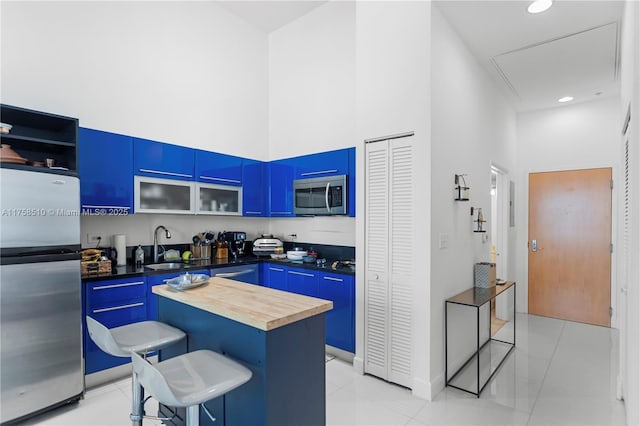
<point x="218" y="199"/>
<point x="156" y="195"/>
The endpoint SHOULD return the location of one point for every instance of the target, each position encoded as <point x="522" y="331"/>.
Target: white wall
<point x="138" y="228"/>
<point x="312" y="82"/>
<point x="580" y="136"/>
<point x="188" y="73"/>
<point x="392" y="96"/>
<point x="312" y="103"/>
<point x="630" y="268"/>
<point x="472" y="127"/>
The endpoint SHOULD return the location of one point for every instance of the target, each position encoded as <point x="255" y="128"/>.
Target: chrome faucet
<point x="167" y="234"/>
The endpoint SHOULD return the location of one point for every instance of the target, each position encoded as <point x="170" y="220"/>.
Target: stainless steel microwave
<point x="320" y="196"/>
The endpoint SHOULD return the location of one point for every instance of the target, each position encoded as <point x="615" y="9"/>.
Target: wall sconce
<point x="479" y="220"/>
<point x="461" y="189"/>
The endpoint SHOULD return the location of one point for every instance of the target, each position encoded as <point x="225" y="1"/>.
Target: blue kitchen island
<point x="279" y="336"/>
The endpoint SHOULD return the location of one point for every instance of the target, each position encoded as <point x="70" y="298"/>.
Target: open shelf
<point x="37" y="136"/>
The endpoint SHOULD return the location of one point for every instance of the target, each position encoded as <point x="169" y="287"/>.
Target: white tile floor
<point x="561" y="373"/>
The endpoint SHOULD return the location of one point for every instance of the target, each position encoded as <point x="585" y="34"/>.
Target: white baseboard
<point x="358" y="364"/>
<point x="339" y="353"/>
<point x="111" y="375"/>
<point x="425" y="389"/>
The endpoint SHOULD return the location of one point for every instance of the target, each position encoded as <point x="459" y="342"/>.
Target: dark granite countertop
<point x="133" y="271"/>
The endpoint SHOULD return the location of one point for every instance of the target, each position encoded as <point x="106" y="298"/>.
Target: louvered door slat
<point x="389" y="239"/>
<point x="377" y="241"/>
<point x="401" y="284"/>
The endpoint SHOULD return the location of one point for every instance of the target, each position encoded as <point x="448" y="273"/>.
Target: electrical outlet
<point x="94" y="239"/>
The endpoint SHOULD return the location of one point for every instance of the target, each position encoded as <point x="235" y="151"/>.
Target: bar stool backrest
<point x="154" y="382"/>
<point x="103" y="338"/>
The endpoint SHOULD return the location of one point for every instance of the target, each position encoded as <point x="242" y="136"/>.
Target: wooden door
<point x="570" y="265"/>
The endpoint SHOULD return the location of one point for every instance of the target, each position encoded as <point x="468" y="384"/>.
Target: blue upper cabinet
<point x="352" y="181"/>
<point x="162" y="160"/>
<point x="330" y="163"/>
<point x="254" y="188"/>
<point x="221" y="169"/>
<point x="106" y="171"/>
<point x="322" y="164"/>
<point x="281" y="174"/>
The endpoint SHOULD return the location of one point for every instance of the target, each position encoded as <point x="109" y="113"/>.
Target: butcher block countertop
<point x="260" y="307"/>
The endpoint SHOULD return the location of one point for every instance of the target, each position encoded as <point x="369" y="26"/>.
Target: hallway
<point x="561" y="373"/>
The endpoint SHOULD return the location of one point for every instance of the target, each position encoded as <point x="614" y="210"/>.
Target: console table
<point x="471" y="373"/>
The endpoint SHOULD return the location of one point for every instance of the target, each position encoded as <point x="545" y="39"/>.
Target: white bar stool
<point x="137" y="338"/>
<point x="190" y="380"/>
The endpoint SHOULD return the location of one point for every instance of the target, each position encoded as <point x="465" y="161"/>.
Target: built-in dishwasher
<point x="245" y="273"/>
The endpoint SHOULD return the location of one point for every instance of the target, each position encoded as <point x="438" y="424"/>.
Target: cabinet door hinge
<point x="610" y="312"/>
<point x="611" y="183"/>
<point x="611" y="248"/>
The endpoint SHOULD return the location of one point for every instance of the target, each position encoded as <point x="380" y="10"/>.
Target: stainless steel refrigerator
<point x="40" y="293"/>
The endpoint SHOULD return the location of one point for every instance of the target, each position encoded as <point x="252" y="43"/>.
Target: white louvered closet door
<point x="388" y="269"/>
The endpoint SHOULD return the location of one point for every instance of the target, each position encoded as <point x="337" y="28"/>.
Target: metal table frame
<point x="477" y="297"/>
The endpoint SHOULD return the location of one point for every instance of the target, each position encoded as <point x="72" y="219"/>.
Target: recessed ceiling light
<point x="539" y="6"/>
<point x="566" y="99"/>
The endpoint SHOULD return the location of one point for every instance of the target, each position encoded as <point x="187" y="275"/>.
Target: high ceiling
<point x="572" y="49"/>
<point x="270" y="15"/>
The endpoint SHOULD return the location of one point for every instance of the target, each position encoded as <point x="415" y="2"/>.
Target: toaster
<point x="266" y="245"/>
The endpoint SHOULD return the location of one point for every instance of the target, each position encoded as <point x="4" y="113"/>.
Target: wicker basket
<point x="97" y="267"/>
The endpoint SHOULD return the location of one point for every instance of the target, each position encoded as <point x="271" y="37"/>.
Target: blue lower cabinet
<point x="275" y="276"/>
<point x="113" y="303"/>
<point x="152" y="299"/>
<point x="302" y="281"/>
<point x="340" y="321"/>
<point x="264" y="274"/>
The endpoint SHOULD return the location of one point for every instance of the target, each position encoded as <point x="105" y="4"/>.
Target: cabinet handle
<point x="321" y="172"/>
<point x="280" y="212"/>
<point x="105" y="287"/>
<point x="276" y="269"/>
<point x="301" y="273"/>
<point x="106" y="207"/>
<point x="115" y="308"/>
<point x="165" y="173"/>
<point x="220" y="179"/>
<point x="248" y="212"/>
<point x="334" y="279"/>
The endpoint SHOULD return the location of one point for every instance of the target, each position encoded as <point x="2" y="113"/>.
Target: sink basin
<point x="162" y="266"/>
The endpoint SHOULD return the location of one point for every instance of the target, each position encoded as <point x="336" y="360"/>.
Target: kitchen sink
<point x="163" y="266"/>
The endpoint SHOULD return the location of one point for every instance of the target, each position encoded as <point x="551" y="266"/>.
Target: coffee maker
<point x="235" y="240"/>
